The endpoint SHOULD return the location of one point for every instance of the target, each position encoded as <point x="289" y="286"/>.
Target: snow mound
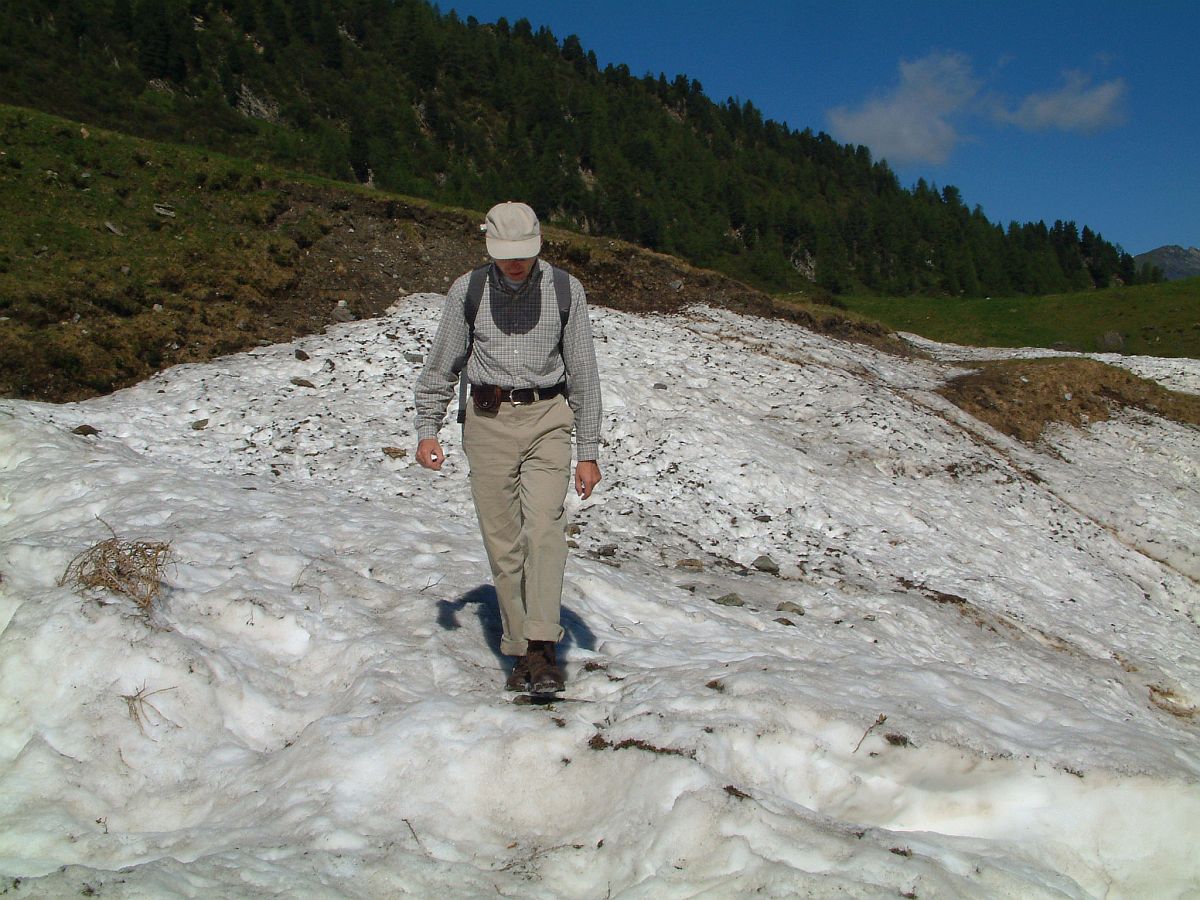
<point x="943" y="664"/>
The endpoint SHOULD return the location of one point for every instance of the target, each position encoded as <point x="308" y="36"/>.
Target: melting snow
<point x="983" y="680"/>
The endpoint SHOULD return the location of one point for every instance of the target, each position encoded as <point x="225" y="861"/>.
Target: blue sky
<point x="1035" y="111"/>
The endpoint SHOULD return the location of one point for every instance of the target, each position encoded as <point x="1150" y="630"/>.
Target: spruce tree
<point x="152" y="33"/>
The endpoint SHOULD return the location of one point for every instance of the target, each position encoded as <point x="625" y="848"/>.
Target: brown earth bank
<point x="330" y="256"/>
<point x="1020" y="397"/>
<point x="376" y="252"/>
<point x="342" y="255"/>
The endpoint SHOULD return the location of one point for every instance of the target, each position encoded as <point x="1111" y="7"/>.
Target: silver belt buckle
<point x="533" y="391"/>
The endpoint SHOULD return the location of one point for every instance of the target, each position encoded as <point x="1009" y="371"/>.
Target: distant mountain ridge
<point x="1173" y="261"/>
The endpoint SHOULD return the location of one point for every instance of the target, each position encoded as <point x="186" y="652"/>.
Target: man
<point x="531" y="365"/>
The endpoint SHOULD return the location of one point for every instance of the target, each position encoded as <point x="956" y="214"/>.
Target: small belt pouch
<point x="486" y="397"/>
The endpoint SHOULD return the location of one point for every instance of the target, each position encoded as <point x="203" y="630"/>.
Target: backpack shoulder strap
<point x="475" y="295"/>
<point x="562" y="290"/>
<point x="470" y="311"/>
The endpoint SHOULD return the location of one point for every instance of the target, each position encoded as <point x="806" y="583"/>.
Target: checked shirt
<point x="517" y="345"/>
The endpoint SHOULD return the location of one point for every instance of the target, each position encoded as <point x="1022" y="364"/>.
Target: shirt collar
<point x="500" y="283"/>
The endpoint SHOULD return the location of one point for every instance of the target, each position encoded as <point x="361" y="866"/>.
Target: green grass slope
<point x="120" y="256"/>
<point x="1143" y="320"/>
<point x="118" y="253"/>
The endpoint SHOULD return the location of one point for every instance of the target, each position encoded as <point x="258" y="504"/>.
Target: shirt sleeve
<point x="447" y="356"/>
<point x="583" y="377"/>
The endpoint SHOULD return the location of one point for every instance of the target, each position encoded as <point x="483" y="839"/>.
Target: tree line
<point x="399" y="95"/>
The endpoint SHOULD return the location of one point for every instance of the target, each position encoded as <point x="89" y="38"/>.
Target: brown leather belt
<point x="523" y="396"/>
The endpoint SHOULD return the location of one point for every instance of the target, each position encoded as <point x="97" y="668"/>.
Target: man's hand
<point x="430" y="455"/>
<point x="587" y="476"/>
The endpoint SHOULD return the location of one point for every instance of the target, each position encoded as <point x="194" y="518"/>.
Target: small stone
<point x="730" y="600"/>
<point x="85" y="430"/>
<point x="608" y="550"/>
<point x="302" y="356"/>
<point x="766" y="564"/>
<point x="414" y="357"/>
<point x="395" y="452"/>
<point x="573" y="529"/>
<point x="199" y="424"/>
<point x="788" y="606"/>
<point x="659" y="386"/>
<point x="303" y="382"/>
<point x="784" y="621"/>
<point x="694" y="565"/>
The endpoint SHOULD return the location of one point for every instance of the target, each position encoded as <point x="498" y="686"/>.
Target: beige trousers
<point x="520" y="459"/>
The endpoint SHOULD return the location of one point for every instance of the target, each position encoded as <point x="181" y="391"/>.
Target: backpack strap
<point x="470" y="311"/>
<point x="475" y="296"/>
<point x="562" y="290"/>
<point x="562" y="294"/>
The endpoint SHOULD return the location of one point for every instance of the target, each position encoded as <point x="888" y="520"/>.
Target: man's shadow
<point x="487" y="608"/>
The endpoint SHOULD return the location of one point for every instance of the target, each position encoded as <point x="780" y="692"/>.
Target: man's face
<point x="516" y="269"/>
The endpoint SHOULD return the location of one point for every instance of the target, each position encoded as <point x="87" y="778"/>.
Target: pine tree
<point x="275" y="22"/>
<point x="152" y="34"/>
<point x="301" y="19"/>
<point x="359" y="149"/>
<point x="329" y="40"/>
<point x="832" y="265"/>
<point x="122" y="17"/>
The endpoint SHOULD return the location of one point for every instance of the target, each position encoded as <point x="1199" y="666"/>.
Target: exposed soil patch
<point x="316" y="256"/>
<point x="1021" y="397"/>
<point x="376" y="251"/>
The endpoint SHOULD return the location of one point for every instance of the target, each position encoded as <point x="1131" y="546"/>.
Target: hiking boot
<point x="518" y="678"/>
<point x="544" y="675"/>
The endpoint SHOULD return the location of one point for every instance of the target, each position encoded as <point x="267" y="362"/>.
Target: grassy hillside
<point x="390" y="92"/>
<point x="121" y="256"/>
<point x="1144" y="320"/>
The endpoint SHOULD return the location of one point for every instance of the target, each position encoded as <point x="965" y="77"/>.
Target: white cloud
<point x="912" y="123"/>
<point x="919" y="120"/>
<point x="1076" y="106"/>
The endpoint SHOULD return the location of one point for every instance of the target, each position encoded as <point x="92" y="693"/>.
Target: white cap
<point x="513" y="231"/>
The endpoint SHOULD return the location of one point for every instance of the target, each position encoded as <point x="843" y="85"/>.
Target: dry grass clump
<point x="1021" y="397"/>
<point x="131" y="568"/>
<point x="139" y="706"/>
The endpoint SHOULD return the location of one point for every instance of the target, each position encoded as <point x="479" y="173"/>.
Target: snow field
<point x="320" y="711"/>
